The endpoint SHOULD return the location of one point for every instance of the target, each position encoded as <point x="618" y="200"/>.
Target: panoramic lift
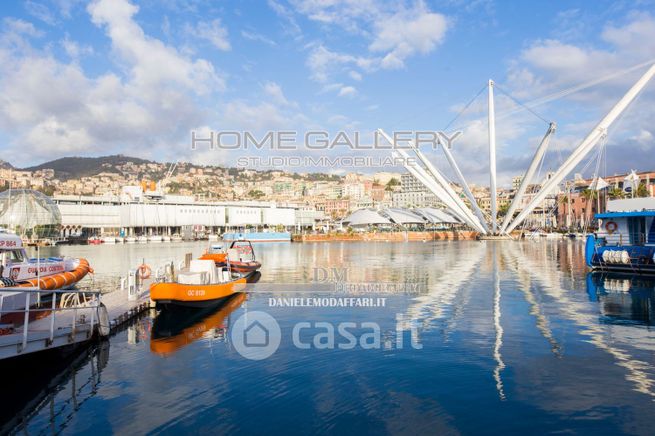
<point x="471" y="214"/>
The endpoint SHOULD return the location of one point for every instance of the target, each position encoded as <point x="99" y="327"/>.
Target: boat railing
<point x="66" y="318"/>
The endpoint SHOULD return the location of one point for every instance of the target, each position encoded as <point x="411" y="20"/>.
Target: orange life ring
<point x="611" y="227"/>
<point x="144" y="271"/>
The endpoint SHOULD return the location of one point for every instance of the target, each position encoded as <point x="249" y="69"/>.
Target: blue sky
<point x="133" y="77"/>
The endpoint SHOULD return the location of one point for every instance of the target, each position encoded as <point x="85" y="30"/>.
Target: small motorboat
<point x="130" y="240"/>
<point x="94" y="240"/>
<point x="176" y="238"/>
<point x="240" y="256"/>
<point x="120" y="240"/>
<point x="202" y="283"/>
<point x="154" y="238"/>
<point x="142" y="239"/>
<point x="109" y="239"/>
<point x="166" y="238"/>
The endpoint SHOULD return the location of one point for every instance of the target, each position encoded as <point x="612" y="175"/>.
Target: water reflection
<point x="175" y="329"/>
<point x="508" y="330"/>
<point x="47" y="396"/>
<point x="623" y="299"/>
<point x="543" y="269"/>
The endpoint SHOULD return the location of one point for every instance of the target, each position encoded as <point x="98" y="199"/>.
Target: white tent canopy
<point x="425" y="215"/>
<point x="365" y="217"/>
<point x="436" y="216"/>
<point x="402" y="216"/>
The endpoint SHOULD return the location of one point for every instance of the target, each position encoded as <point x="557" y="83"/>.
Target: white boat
<point x="120" y="239"/>
<point x="176" y="238"/>
<point x="154" y="238"/>
<point x="166" y="238"/>
<point x="130" y="240"/>
<point x="16" y="269"/>
<point x="109" y="239"/>
<point x="142" y="239"/>
<point x="213" y="237"/>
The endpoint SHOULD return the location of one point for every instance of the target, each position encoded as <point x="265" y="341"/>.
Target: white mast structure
<point x="492" y="158"/>
<point x="465" y="186"/>
<point x="432" y="179"/>
<point x="529" y="175"/>
<point x="585" y="147"/>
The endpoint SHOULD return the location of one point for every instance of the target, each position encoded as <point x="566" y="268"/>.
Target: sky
<point x="121" y="76"/>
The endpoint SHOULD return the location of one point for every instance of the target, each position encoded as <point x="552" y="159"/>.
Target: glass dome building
<point x="30" y="214"/>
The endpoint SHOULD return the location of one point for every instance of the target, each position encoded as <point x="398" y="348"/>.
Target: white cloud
<point x="253" y="36"/>
<point x="347" y="91"/>
<point x="213" y="32"/>
<point x="40" y="11"/>
<point x="53" y="107"/>
<point x="394" y="33"/>
<point x="274" y="91"/>
<point x="406" y="33"/>
<point x="323" y="62"/>
<point x="355" y="75"/>
<point x="73" y="49"/>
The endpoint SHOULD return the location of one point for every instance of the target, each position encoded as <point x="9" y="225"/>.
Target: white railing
<point x="85" y="300"/>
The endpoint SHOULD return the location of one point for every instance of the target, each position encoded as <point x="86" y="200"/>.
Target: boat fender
<point x="606" y="256"/>
<point x="144" y="271"/>
<point x="625" y="257"/>
<point x="103" y="321"/>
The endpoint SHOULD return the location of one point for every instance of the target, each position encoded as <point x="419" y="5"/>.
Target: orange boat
<point x="200" y="284"/>
<point x="240" y="257"/>
<point x="173" y="330"/>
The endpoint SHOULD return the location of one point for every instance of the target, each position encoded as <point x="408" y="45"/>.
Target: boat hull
<point x="220" y="259"/>
<point x="179" y="294"/>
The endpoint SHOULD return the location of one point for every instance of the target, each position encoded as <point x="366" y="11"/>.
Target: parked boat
<point x="176" y="238"/>
<point x="166" y="238"/>
<point x="259" y="236"/>
<point x="240" y="256"/>
<point x="130" y="240"/>
<point x="108" y="239"/>
<point x="120" y="239"/>
<point x="142" y="239"/>
<point x="154" y="238"/>
<point x="200" y="284"/>
<point x="94" y="240"/>
<point x="19" y="271"/>
<point x="625" y="241"/>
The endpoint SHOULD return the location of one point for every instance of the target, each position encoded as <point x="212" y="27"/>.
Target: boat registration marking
<point x="195" y="292"/>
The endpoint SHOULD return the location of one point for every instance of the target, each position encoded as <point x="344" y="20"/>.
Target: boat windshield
<point x="12" y="256"/>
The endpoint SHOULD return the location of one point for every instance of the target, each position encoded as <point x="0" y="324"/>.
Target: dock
<point x="49" y="320"/>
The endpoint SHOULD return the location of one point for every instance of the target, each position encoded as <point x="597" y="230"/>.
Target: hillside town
<point x="335" y="196"/>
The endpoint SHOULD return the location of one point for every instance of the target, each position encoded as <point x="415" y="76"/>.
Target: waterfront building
<point x="144" y="212"/>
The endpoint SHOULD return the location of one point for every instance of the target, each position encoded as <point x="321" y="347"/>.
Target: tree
<point x="502" y="210"/>
<point x="256" y="194"/>
<point x="391" y="184"/>
<point x="615" y="193"/>
<point x="590" y="195"/>
<point x="642" y="190"/>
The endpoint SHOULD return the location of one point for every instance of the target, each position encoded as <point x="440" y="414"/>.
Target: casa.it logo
<point x="256" y="335"/>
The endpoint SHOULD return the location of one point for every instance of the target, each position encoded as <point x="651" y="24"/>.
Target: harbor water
<point x="449" y="338"/>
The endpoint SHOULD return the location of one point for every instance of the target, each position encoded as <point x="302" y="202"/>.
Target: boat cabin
<point x="11" y="251"/>
<point x="628" y="223"/>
